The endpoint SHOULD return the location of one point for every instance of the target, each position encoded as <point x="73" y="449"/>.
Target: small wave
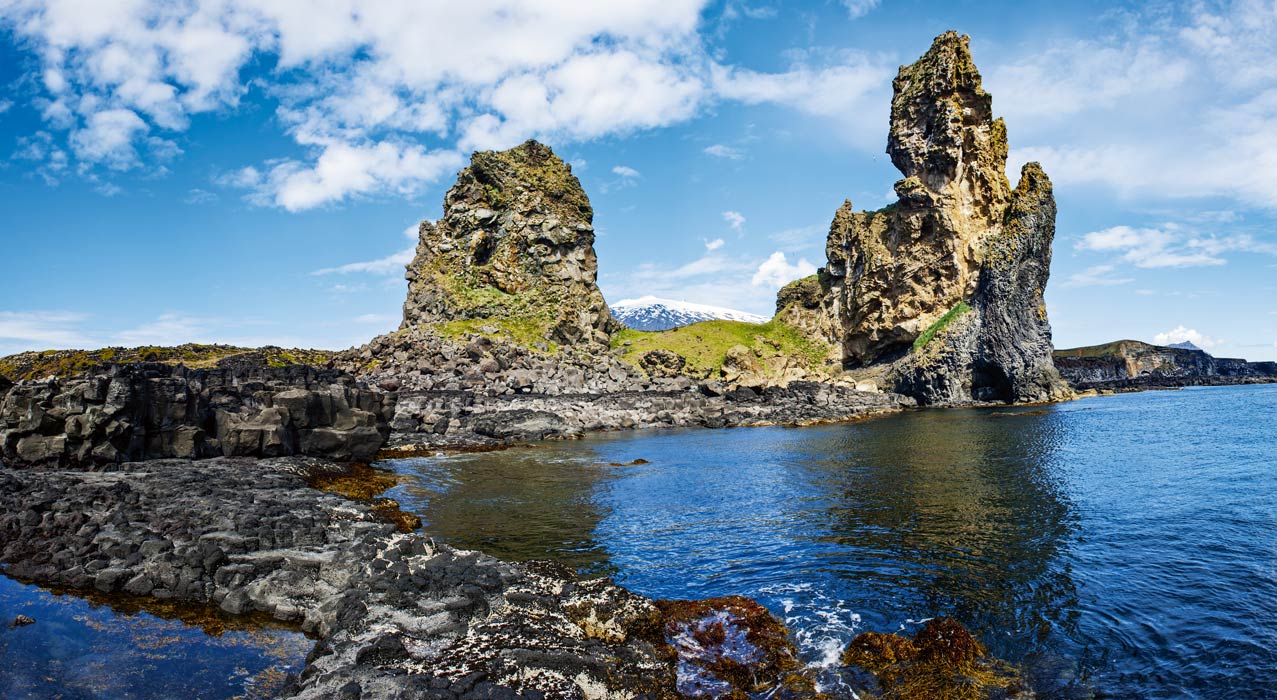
<point x="822" y="625"/>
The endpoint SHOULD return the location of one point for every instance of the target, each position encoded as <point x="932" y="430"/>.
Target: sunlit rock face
<point x="945" y="284"/>
<point x="515" y="247"/>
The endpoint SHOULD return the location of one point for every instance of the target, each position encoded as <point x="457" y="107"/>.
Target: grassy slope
<point x="65" y="363"/>
<point x="705" y="344"/>
<point x="1114" y="349"/>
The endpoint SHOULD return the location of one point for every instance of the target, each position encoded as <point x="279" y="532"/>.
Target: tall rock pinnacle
<point x="515" y="247"/>
<point x="944" y="286"/>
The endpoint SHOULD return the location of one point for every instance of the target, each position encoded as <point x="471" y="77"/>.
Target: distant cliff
<point x="939" y="295"/>
<point x="1132" y="365"/>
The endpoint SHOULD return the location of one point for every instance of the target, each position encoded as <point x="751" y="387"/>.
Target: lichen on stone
<point x="514" y="247"/>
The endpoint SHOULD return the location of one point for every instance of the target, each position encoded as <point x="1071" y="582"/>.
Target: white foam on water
<point x="823" y="626"/>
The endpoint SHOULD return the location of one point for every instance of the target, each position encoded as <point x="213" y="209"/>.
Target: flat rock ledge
<point x="451" y="419"/>
<point x="396" y="615"/>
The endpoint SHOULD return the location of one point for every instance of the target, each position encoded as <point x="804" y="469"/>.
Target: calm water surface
<point x="1120" y="546"/>
<point x="78" y="650"/>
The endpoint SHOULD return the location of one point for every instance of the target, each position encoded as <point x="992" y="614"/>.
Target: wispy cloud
<point x="1097" y="276"/>
<point x="719" y="150"/>
<point x="734" y="219"/>
<point x="389" y="265"/>
<point x="714" y="244"/>
<point x="1171" y="245"/>
<point x="26" y="330"/>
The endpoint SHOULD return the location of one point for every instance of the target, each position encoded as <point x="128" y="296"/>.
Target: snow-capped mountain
<point x="650" y="313"/>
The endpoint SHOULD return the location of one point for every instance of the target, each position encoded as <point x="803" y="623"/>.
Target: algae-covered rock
<point x="515" y="250"/>
<point x="943" y="661"/>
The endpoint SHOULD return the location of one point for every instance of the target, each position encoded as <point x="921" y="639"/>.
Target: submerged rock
<point x="943" y="661"/>
<point x="941" y="292"/>
<point x="732" y="647"/>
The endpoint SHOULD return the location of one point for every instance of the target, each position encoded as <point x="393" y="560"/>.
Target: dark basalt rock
<point x="1129" y="365"/>
<point x="396" y="614"/>
<point x="149" y="410"/>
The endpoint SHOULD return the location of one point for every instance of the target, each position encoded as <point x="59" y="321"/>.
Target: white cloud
<point x="1157" y="248"/>
<point x="1159" y="107"/>
<point x="776" y="271"/>
<point x="719" y="150"/>
<point x="389" y="265"/>
<point x="734" y="219"/>
<point x="376" y="108"/>
<point x="802" y="237"/>
<point x="1097" y="276"/>
<point x="859" y="8"/>
<point x="168" y="329"/>
<point x="199" y="196"/>
<point x="1180" y="334"/>
<point x="28" y="330"/>
<point x="714" y="244"/>
<point x="343" y="170"/>
<point x="108" y="138"/>
<point x="5" y="106"/>
<point x="625" y="171"/>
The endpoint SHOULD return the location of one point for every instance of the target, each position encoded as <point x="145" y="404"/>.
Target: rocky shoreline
<point x="395" y="614"/>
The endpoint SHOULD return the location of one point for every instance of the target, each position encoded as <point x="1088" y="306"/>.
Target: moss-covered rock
<point x="514" y="250"/>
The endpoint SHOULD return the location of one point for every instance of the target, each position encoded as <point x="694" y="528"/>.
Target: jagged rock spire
<point x="940" y="293"/>
<point x="942" y="126"/>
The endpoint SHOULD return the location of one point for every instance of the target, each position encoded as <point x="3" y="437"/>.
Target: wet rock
<point x="943" y="661"/>
<point x="732" y="647"/>
<point x="21" y="621"/>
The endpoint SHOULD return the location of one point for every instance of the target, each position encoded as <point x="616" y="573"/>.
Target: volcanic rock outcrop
<point x="151" y="410"/>
<point x="942" y="290"/>
<point x="515" y="249"/>
<point x="1129" y="365"/>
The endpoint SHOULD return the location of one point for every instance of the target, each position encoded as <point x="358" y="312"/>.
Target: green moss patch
<point x="68" y="363"/>
<point x="705" y="344"/>
<point x="923" y="340"/>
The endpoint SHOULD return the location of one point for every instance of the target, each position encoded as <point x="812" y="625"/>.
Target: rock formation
<point x="151" y="410"/>
<point x="514" y="249"/>
<point x="1128" y="365"/>
<point x="942" y="290"/>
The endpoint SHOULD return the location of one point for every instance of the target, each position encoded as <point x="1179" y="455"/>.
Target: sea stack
<point x="939" y="295"/>
<point x="515" y="250"/>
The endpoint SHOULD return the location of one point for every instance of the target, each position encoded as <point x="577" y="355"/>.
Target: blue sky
<point x="219" y="171"/>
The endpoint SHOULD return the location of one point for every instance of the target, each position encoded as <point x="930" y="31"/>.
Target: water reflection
<point x="516" y="505"/>
<point x="841" y="528"/>
<point x="1120" y="545"/>
<point x="106" y="649"/>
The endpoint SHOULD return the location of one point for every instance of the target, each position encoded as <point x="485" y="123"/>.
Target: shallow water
<point x="1121" y="546"/>
<point x="78" y="650"/>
